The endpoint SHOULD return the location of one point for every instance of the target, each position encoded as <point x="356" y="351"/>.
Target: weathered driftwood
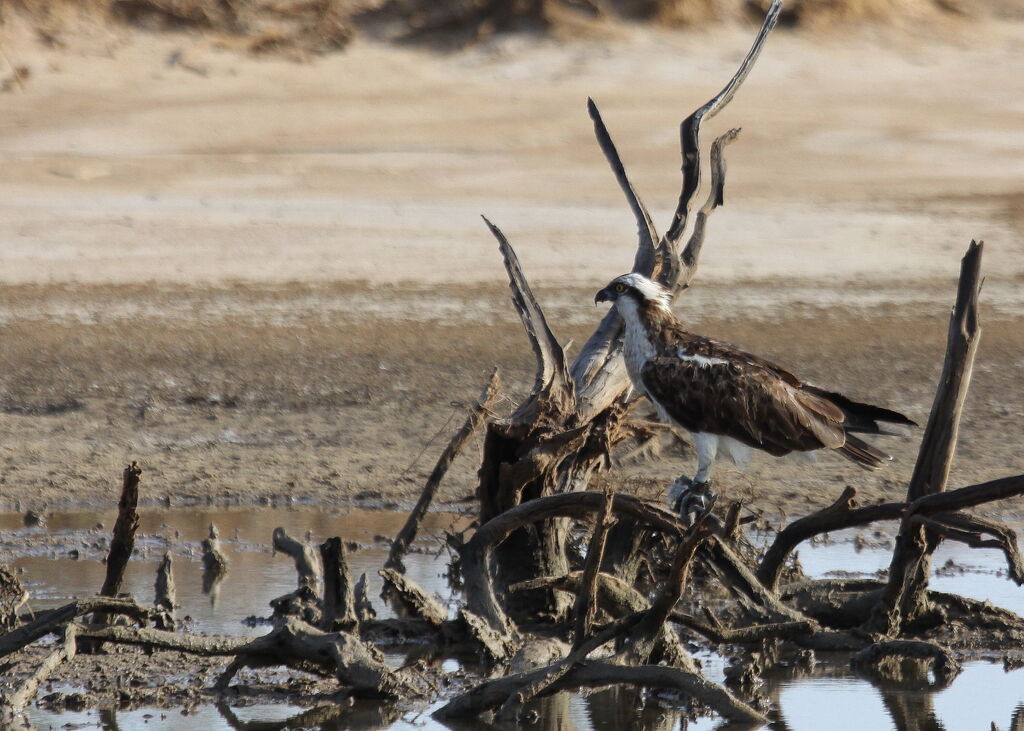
<point x="339" y="604"/>
<point x="585" y="608"/>
<point x="409" y="599"/>
<point x="363" y="606"/>
<point x="842" y="514"/>
<point x="214" y="560"/>
<point x="476" y="553"/>
<point x="215" y="564"/>
<point x="291" y="642"/>
<point x="122" y="542"/>
<point x="513" y="705"/>
<point x="54" y="620"/>
<point x="307" y="562"/>
<point x="573" y="673"/>
<point x="164" y="594"/>
<point x="904" y="599"/>
<point x="64" y="652"/>
<point x="943" y="663"/>
<point x="743" y="635"/>
<point x="498" y="646"/>
<point x="640" y="643"/>
<point x="477" y="413"/>
<point x="619" y="600"/>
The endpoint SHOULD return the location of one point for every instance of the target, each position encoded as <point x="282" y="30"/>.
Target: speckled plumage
<point x="714" y="389"/>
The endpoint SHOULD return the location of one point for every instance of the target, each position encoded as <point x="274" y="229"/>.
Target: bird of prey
<point x="729" y="400"/>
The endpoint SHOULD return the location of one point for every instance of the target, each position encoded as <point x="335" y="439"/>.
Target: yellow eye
<point x="620" y="287"/>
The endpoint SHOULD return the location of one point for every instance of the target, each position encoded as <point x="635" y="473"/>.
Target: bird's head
<point x="635" y="288"/>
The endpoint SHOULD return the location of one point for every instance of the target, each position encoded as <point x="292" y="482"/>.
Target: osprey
<point x="729" y="400"/>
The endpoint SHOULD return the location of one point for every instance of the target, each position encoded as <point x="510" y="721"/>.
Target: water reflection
<point x="832" y="697"/>
<point x="254" y="576"/>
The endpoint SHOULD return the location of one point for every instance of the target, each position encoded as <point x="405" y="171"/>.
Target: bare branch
<point x="905" y="596"/>
<point x="939" y="442"/>
<point x="54" y="619"/>
<point x="307" y="562"/>
<point x="716" y="197"/>
<point x="647" y="235"/>
<point x="476" y="416"/>
<point x="65" y="652"/>
<point x="970" y="530"/>
<point x="411" y="598"/>
<point x="689" y="132"/>
<point x="585" y="607"/>
<point x="552" y="375"/>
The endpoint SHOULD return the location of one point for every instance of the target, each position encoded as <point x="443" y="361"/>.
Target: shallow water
<point x="831" y="697"/>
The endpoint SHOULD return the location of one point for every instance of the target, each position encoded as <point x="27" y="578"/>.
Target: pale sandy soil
<point x="263" y="278"/>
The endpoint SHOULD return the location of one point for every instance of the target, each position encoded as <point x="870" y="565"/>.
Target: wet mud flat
<point x="344" y="393"/>
<point x="132" y="689"/>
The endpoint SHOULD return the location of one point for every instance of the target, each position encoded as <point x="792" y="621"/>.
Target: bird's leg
<point x="691" y="498"/>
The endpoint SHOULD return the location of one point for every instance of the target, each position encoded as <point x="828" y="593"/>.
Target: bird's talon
<point x="692" y="500"/>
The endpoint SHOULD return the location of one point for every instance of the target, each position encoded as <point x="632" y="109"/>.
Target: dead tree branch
<point x="689" y="136"/>
<point x="55" y="619"/>
<point x="552" y="381"/>
<point x="970" y="530"/>
<point x="945" y="666"/>
<point x="409" y="599"/>
<point x="339" y="610"/>
<point x="744" y="635"/>
<point x="164" y="594"/>
<point x="477" y="414"/>
<point x="585" y="608"/>
<point x="904" y="598"/>
<point x="364" y="608"/>
<point x="65" y="652"/>
<point x="123" y="541"/>
<point x="307" y="563"/>
<point x="291" y="642"/>
<point x="640" y="643"/>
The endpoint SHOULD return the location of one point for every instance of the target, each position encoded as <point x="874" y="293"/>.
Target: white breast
<point x="636" y="346"/>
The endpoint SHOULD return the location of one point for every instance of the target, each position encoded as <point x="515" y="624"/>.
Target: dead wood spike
<point x="164" y="594"/>
<point x="552" y="383"/>
<point x="639" y="644"/>
<point x="905" y="598"/>
<point x="339" y="610"/>
<point x="123" y="540"/>
<point x="214" y="560"/>
<point x="364" y="609"/>
<point x="477" y="414"/>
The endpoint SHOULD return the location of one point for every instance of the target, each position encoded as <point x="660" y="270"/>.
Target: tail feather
<point x="859" y="451"/>
<point x="864" y="418"/>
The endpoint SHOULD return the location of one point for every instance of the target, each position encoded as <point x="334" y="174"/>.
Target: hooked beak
<point x="605" y="295"/>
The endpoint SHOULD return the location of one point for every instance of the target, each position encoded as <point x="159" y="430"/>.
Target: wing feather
<point x="743" y="400"/>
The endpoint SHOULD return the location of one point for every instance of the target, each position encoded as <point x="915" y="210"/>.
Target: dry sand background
<point x="267" y="279"/>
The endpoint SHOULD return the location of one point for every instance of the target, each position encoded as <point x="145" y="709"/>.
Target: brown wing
<point x="743" y="400"/>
